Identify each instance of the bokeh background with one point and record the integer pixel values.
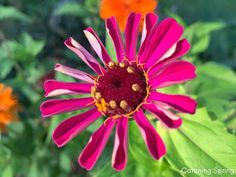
(31, 43)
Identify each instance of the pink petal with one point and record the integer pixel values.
(96, 144)
(169, 119)
(181, 49)
(71, 127)
(174, 73)
(179, 102)
(54, 88)
(119, 156)
(97, 45)
(114, 32)
(165, 36)
(84, 55)
(152, 140)
(131, 35)
(74, 73)
(148, 27)
(58, 106)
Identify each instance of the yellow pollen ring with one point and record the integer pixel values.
(111, 64)
(122, 65)
(130, 69)
(123, 104)
(112, 104)
(135, 87)
(102, 105)
(98, 95)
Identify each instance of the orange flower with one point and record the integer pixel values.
(7, 107)
(122, 8)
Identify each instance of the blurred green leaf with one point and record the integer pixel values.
(32, 46)
(200, 143)
(11, 12)
(8, 172)
(6, 66)
(110, 47)
(198, 34)
(72, 8)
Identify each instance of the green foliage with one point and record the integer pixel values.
(200, 144)
(7, 12)
(73, 9)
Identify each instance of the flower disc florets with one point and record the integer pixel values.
(121, 90)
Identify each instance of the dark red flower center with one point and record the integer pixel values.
(121, 90)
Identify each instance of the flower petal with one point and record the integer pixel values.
(152, 140)
(179, 102)
(96, 144)
(58, 106)
(54, 88)
(74, 73)
(131, 35)
(119, 155)
(182, 47)
(163, 38)
(149, 22)
(84, 55)
(148, 27)
(71, 127)
(169, 119)
(174, 73)
(97, 45)
(114, 32)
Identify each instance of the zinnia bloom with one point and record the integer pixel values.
(122, 8)
(123, 90)
(7, 107)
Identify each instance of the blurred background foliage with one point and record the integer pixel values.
(31, 43)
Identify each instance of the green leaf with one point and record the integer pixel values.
(200, 144)
(6, 66)
(8, 172)
(11, 12)
(198, 34)
(215, 88)
(73, 9)
(33, 47)
(110, 47)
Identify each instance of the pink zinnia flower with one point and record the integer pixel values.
(123, 90)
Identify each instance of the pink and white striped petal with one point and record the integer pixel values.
(174, 73)
(165, 116)
(97, 45)
(182, 47)
(131, 35)
(81, 52)
(151, 138)
(149, 22)
(96, 144)
(115, 34)
(179, 102)
(119, 155)
(165, 36)
(55, 88)
(58, 106)
(71, 127)
(74, 73)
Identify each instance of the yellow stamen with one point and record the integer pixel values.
(130, 69)
(102, 105)
(123, 104)
(135, 87)
(93, 90)
(98, 95)
(112, 104)
(111, 64)
(122, 65)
